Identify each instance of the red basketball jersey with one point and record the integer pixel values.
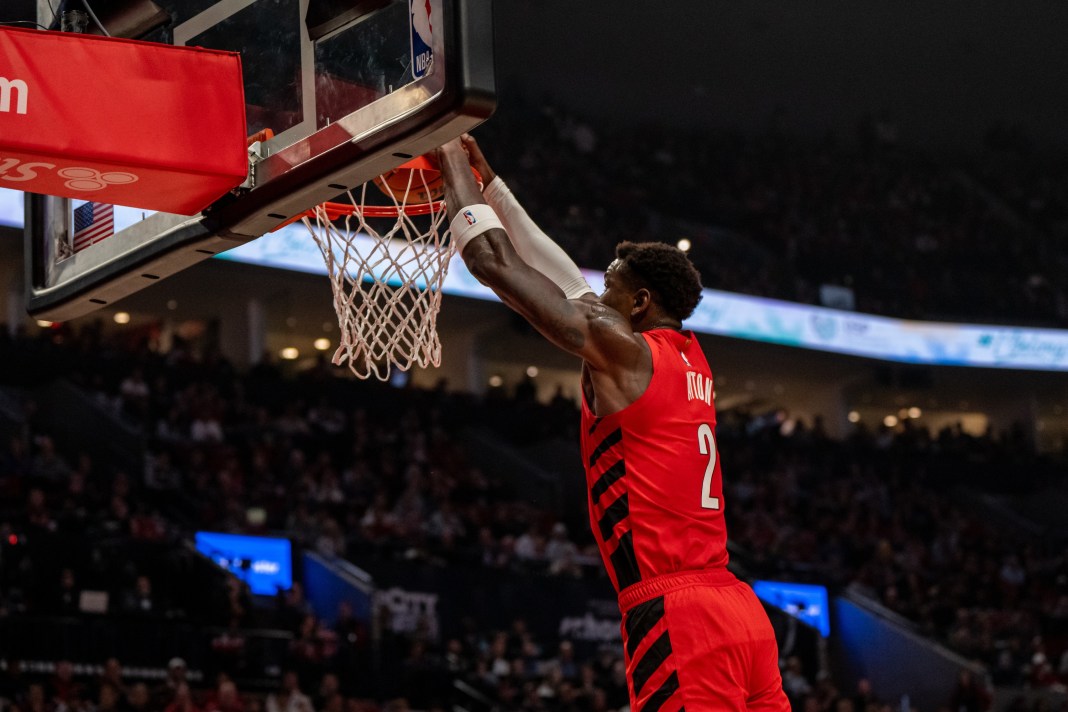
(652, 470)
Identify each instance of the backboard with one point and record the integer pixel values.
(349, 88)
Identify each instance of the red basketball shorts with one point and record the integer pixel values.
(699, 641)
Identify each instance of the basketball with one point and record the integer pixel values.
(412, 185)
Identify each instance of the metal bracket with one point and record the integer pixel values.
(257, 151)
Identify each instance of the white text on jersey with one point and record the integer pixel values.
(699, 387)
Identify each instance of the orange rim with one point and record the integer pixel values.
(336, 210)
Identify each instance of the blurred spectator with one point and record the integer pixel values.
(329, 687)
(562, 553)
(167, 692)
(147, 525)
(112, 677)
(64, 689)
(13, 682)
(66, 598)
(289, 698)
(183, 700)
(108, 699)
(225, 698)
(47, 464)
(292, 610)
(970, 695)
(38, 518)
(36, 700)
(864, 698)
(794, 683)
(137, 699)
(140, 601)
(564, 662)
(135, 394)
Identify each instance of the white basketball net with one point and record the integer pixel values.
(387, 285)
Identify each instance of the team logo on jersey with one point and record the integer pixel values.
(685, 360)
(421, 14)
(469, 217)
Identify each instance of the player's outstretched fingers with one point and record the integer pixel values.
(438, 155)
(478, 160)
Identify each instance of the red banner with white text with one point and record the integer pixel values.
(118, 121)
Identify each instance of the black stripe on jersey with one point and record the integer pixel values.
(654, 657)
(594, 424)
(609, 440)
(640, 620)
(663, 694)
(624, 562)
(613, 515)
(609, 478)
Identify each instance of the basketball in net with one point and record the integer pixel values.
(417, 181)
(387, 264)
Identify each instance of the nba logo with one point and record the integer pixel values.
(469, 217)
(421, 16)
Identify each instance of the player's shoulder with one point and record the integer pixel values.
(607, 324)
(615, 347)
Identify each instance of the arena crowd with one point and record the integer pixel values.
(912, 233)
(368, 472)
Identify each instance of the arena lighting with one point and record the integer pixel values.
(532, 371)
(44, 324)
(321, 344)
(761, 319)
(496, 381)
(915, 412)
(122, 317)
(853, 417)
(720, 313)
(684, 244)
(172, 304)
(289, 353)
(890, 421)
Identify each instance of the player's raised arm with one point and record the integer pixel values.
(584, 327)
(535, 247)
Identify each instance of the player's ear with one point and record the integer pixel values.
(643, 299)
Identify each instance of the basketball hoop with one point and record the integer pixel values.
(386, 276)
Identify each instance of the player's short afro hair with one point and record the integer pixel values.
(667, 272)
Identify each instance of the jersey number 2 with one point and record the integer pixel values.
(706, 440)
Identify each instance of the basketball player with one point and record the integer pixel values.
(695, 637)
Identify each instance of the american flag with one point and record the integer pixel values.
(92, 223)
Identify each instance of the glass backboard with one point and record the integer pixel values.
(349, 89)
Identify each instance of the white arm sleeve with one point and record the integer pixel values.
(535, 247)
